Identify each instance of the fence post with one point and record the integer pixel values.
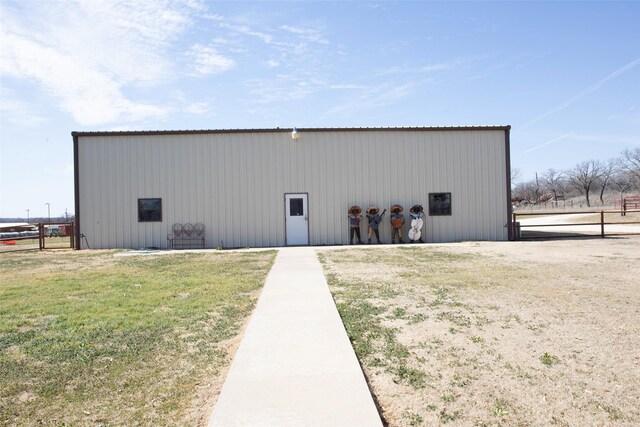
(41, 235)
(602, 224)
(515, 229)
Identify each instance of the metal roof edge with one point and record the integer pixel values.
(275, 130)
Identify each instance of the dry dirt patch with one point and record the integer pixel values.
(496, 333)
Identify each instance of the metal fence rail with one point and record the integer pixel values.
(15, 244)
(627, 204)
(43, 238)
(600, 231)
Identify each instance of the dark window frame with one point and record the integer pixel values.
(440, 207)
(150, 213)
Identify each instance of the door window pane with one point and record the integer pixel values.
(296, 207)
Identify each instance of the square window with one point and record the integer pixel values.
(149, 210)
(439, 204)
(296, 207)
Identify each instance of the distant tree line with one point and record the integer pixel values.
(590, 179)
(65, 217)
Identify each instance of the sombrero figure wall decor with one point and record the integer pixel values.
(396, 209)
(354, 214)
(397, 221)
(374, 221)
(417, 221)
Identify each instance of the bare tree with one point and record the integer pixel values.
(515, 176)
(621, 181)
(553, 181)
(631, 161)
(525, 191)
(538, 193)
(607, 170)
(583, 176)
(67, 216)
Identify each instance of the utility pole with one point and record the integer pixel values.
(49, 210)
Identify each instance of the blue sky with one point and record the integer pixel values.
(564, 75)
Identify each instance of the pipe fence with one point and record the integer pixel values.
(43, 235)
(589, 223)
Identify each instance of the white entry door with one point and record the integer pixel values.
(296, 219)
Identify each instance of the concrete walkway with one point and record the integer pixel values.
(295, 365)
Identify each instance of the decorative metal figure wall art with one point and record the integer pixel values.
(354, 215)
(417, 221)
(397, 221)
(375, 218)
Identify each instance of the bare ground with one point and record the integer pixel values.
(496, 333)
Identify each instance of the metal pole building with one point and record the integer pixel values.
(261, 187)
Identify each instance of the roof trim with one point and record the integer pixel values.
(276, 130)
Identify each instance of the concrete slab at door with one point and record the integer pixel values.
(296, 218)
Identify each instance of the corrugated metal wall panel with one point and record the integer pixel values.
(234, 183)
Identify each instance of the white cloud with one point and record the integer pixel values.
(374, 97)
(207, 60)
(91, 97)
(310, 34)
(286, 39)
(443, 66)
(220, 40)
(605, 139)
(554, 140)
(594, 87)
(85, 53)
(18, 111)
(198, 108)
(272, 63)
(346, 87)
(244, 29)
(65, 170)
(284, 88)
(213, 17)
(620, 139)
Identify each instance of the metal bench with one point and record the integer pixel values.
(186, 236)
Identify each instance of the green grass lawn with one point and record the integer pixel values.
(89, 338)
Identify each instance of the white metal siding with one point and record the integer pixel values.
(234, 183)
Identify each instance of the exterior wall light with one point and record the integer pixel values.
(295, 134)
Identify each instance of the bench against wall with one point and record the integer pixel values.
(186, 236)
